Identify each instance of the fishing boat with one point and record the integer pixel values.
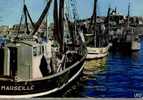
(125, 37)
(96, 39)
(31, 67)
(96, 53)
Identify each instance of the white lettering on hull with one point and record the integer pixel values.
(17, 88)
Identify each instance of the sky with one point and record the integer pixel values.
(11, 10)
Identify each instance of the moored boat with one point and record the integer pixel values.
(124, 35)
(29, 69)
(96, 53)
(97, 40)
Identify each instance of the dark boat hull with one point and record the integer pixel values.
(45, 86)
(122, 46)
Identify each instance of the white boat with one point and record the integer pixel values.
(96, 41)
(96, 53)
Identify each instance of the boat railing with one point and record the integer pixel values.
(7, 78)
(63, 60)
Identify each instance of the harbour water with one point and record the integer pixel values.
(118, 75)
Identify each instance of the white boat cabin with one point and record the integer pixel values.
(22, 60)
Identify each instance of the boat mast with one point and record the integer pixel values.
(61, 24)
(56, 32)
(93, 27)
(107, 21)
(58, 13)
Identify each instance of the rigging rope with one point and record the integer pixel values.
(25, 15)
(45, 11)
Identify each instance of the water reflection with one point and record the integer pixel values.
(95, 66)
(89, 83)
(120, 75)
(135, 56)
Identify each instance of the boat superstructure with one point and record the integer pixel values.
(122, 34)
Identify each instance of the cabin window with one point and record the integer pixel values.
(42, 49)
(38, 51)
(34, 51)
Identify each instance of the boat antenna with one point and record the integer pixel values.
(129, 6)
(128, 13)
